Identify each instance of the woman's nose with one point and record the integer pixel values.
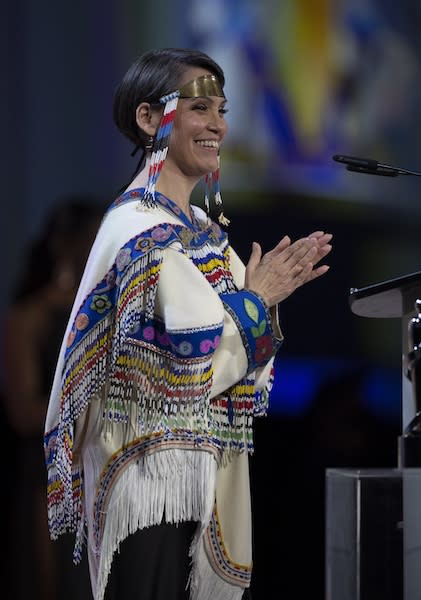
(217, 122)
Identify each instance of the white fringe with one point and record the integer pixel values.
(205, 584)
(180, 483)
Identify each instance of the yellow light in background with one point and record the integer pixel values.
(303, 42)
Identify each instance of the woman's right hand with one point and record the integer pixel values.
(278, 273)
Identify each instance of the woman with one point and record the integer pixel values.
(167, 358)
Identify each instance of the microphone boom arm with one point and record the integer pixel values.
(372, 167)
(378, 171)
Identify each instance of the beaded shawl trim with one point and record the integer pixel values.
(118, 344)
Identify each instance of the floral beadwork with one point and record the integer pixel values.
(82, 321)
(143, 244)
(149, 333)
(102, 300)
(253, 321)
(186, 343)
(100, 303)
(207, 345)
(185, 348)
(123, 258)
(264, 348)
(161, 234)
(253, 312)
(251, 309)
(70, 338)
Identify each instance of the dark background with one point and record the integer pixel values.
(337, 396)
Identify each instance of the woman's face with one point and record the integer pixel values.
(198, 131)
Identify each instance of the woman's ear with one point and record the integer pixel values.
(147, 119)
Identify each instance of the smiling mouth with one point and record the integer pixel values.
(208, 144)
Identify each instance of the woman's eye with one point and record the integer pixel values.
(204, 108)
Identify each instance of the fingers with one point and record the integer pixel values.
(318, 272)
(276, 274)
(324, 247)
(256, 254)
(300, 252)
(303, 275)
(293, 254)
(279, 248)
(317, 234)
(305, 253)
(253, 263)
(323, 252)
(302, 269)
(320, 234)
(319, 238)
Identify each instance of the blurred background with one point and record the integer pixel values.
(305, 80)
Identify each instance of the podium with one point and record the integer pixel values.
(400, 298)
(364, 537)
(373, 518)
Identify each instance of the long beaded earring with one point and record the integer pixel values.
(213, 186)
(159, 149)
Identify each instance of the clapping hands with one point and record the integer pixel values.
(278, 273)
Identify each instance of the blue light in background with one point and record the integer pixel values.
(382, 391)
(298, 381)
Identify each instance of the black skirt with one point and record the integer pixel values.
(153, 564)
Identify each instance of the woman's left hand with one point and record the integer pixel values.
(323, 249)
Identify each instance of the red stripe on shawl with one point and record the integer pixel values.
(82, 374)
(135, 291)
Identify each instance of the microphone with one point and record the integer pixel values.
(355, 161)
(371, 167)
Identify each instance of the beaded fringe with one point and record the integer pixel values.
(232, 417)
(154, 379)
(167, 393)
(213, 267)
(84, 376)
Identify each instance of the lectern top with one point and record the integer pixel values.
(387, 299)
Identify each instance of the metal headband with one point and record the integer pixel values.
(205, 85)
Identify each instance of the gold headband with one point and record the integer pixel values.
(205, 85)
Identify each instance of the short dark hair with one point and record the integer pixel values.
(151, 76)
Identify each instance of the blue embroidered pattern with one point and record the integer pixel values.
(103, 299)
(253, 321)
(184, 343)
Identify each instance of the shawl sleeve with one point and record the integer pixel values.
(246, 338)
